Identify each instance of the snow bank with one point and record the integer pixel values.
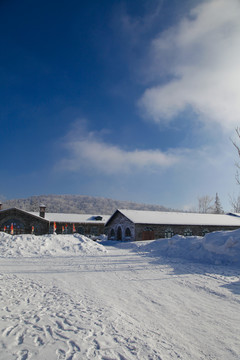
(47, 245)
(220, 247)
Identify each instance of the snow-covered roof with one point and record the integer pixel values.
(74, 218)
(179, 218)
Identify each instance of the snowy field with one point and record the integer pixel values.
(68, 297)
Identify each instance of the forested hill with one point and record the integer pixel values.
(78, 204)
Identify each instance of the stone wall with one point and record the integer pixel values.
(22, 222)
(25, 223)
(93, 229)
(118, 226)
(166, 230)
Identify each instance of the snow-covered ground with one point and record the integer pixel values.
(68, 297)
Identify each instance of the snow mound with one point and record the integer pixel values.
(48, 245)
(220, 247)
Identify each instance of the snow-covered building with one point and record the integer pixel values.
(122, 225)
(17, 221)
(149, 225)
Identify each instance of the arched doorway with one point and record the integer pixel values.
(119, 233)
(128, 234)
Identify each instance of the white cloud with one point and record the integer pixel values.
(201, 55)
(87, 150)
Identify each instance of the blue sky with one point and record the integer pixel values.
(131, 100)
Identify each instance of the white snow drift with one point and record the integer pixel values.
(47, 245)
(221, 247)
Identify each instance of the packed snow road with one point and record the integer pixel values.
(122, 303)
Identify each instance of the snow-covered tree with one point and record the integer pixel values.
(217, 206)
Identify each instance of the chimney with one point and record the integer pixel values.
(42, 209)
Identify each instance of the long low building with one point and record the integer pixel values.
(17, 221)
(127, 225)
(148, 225)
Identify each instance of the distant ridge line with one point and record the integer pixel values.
(78, 204)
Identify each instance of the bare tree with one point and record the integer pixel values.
(205, 204)
(237, 130)
(235, 203)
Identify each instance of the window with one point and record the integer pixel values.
(147, 228)
(205, 231)
(169, 233)
(188, 232)
(98, 218)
